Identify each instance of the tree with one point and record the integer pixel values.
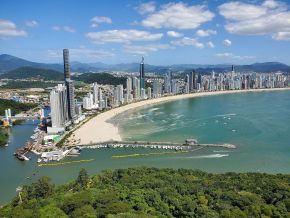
(51, 211)
(43, 188)
(83, 178)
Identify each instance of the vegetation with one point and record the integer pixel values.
(15, 107)
(32, 72)
(3, 138)
(101, 78)
(150, 192)
(28, 84)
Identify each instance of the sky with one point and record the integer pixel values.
(164, 32)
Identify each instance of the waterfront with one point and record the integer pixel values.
(261, 121)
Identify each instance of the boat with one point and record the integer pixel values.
(39, 160)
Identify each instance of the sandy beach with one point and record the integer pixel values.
(98, 129)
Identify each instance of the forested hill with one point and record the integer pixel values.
(101, 78)
(150, 192)
(31, 72)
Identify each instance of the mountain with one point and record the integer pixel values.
(8, 63)
(32, 72)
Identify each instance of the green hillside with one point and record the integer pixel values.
(150, 192)
(15, 107)
(101, 78)
(31, 72)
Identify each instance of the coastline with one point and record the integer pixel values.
(98, 129)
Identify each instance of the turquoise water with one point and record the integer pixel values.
(258, 123)
(262, 133)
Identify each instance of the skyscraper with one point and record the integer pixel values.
(95, 93)
(66, 65)
(142, 74)
(69, 85)
(59, 108)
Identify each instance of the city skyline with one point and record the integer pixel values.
(200, 32)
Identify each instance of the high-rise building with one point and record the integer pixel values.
(136, 88)
(71, 98)
(142, 74)
(149, 95)
(66, 65)
(95, 94)
(69, 85)
(58, 105)
(157, 89)
(168, 83)
(129, 85)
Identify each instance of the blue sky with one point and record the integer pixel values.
(165, 32)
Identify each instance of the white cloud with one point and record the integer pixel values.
(179, 16)
(31, 23)
(204, 33)
(269, 18)
(122, 36)
(188, 41)
(82, 53)
(69, 29)
(210, 44)
(146, 8)
(145, 49)
(56, 28)
(98, 20)
(64, 28)
(240, 11)
(232, 56)
(282, 36)
(227, 42)
(174, 34)
(8, 28)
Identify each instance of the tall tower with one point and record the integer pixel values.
(69, 85)
(142, 74)
(66, 65)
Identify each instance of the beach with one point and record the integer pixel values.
(99, 129)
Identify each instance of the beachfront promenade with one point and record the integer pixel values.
(100, 130)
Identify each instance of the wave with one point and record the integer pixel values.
(209, 156)
(221, 151)
(225, 115)
(154, 109)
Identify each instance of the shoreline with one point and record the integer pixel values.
(99, 129)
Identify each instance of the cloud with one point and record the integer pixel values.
(122, 36)
(8, 28)
(146, 8)
(98, 20)
(188, 41)
(31, 23)
(282, 36)
(232, 56)
(82, 53)
(227, 42)
(210, 44)
(179, 16)
(174, 34)
(269, 18)
(204, 33)
(145, 49)
(64, 28)
(69, 29)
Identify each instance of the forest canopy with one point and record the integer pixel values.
(150, 192)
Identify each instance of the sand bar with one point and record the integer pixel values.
(98, 129)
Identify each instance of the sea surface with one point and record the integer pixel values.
(257, 123)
